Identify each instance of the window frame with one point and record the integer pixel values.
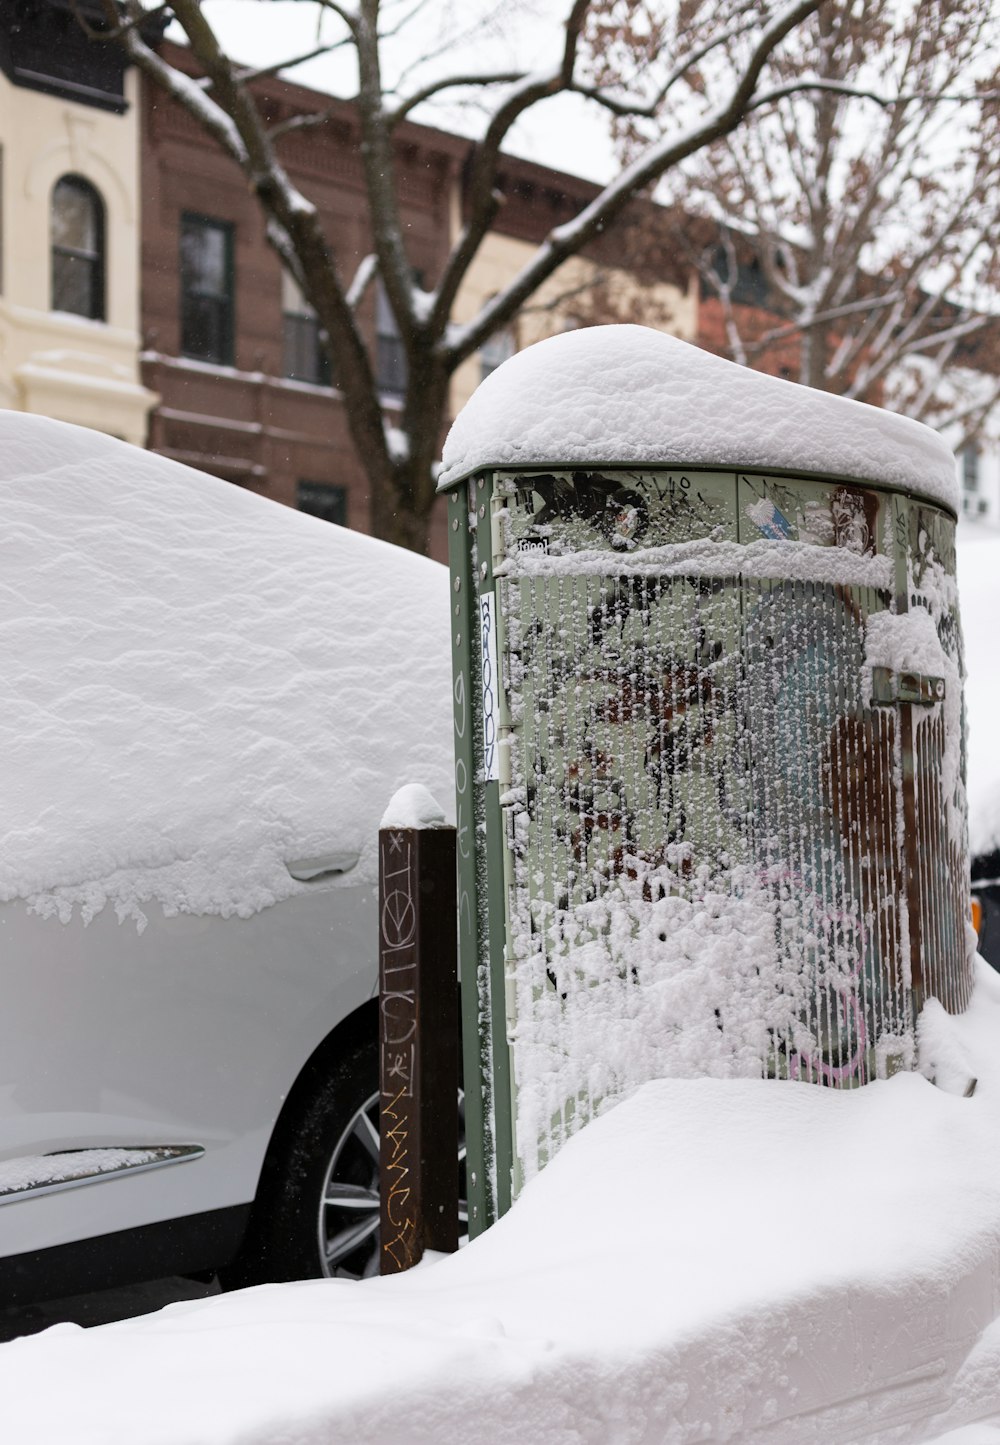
(302, 337)
(226, 301)
(971, 457)
(95, 260)
(498, 347)
(336, 490)
(391, 363)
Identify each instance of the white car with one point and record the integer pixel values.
(209, 699)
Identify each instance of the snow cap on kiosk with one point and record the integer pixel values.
(606, 395)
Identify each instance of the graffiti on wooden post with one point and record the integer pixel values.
(400, 1133)
(418, 1044)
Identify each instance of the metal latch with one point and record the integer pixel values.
(890, 687)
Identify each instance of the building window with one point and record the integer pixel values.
(306, 356)
(499, 348)
(391, 357)
(324, 500)
(970, 468)
(207, 289)
(77, 248)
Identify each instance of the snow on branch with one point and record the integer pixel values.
(245, 77)
(363, 277)
(182, 87)
(450, 82)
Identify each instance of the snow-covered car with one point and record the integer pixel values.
(209, 700)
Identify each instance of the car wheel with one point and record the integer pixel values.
(347, 1225)
(317, 1212)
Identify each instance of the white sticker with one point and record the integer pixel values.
(490, 682)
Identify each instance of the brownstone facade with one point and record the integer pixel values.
(241, 389)
(237, 413)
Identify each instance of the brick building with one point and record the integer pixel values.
(230, 347)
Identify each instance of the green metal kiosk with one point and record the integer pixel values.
(708, 724)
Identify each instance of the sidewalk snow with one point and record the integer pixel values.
(709, 1261)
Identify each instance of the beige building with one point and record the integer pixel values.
(69, 228)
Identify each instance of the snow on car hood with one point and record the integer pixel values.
(629, 394)
(201, 685)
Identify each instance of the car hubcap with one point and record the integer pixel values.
(349, 1203)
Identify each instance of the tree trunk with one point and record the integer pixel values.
(402, 505)
(397, 516)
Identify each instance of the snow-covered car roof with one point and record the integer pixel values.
(201, 685)
(631, 395)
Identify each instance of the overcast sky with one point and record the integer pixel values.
(455, 34)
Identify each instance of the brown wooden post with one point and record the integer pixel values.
(418, 1044)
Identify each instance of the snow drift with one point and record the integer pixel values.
(743, 1260)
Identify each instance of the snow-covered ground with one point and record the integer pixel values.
(710, 1261)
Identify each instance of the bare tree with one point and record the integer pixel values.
(702, 63)
(855, 221)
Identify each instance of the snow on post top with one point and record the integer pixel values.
(413, 806)
(631, 395)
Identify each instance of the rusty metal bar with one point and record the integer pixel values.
(418, 1045)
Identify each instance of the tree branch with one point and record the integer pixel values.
(248, 76)
(451, 82)
(857, 92)
(191, 96)
(605, 208)
(363, 277)
(483, 198)
(299, 122)
(647, 109)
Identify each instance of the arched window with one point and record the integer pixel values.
(77, 248)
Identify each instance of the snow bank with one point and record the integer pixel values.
(201, 685)
(979, 595)
(730, 1261)
(629, 394)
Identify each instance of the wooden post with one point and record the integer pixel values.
(418, 1044)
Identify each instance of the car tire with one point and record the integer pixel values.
(317, 1209)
